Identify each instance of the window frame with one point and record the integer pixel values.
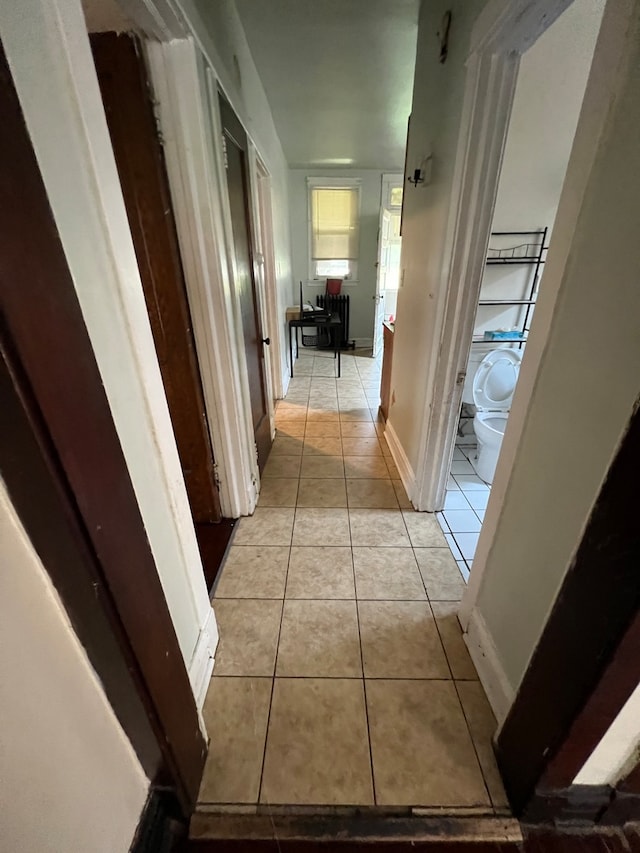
(331, 183)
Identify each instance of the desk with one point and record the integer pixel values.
(333, 324)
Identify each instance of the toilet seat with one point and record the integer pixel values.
(495, 380)
(490, 426)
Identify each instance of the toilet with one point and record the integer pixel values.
(493, 386)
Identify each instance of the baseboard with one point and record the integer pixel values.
(203, 658)
(362, 342)
(402, 462)
(286, 379)
(487, 663)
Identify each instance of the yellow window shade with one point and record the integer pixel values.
(334, 226)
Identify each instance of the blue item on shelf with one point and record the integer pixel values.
(504, 335)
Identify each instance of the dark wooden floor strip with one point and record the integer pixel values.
(213, 541)
(314, 834)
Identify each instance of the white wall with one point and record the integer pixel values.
(48, 51)
(551, 82)
(362, 305)
(618, 751)
(435, 119)
(218, 30)
(70, 779)
(549, 92)
(583, 357)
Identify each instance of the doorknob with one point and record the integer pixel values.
(266, 341)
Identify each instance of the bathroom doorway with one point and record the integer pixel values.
(388, 261)
(536, 155)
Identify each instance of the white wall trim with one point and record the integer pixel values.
(214, 127)
(485, 658)
(489, 92)
(504, 26)
(274, 309)
(258, 237)
(175, 19)
(197, 193)
(402, 462)
(157, 19)
(203, 659)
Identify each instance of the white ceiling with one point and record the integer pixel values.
(338, 75)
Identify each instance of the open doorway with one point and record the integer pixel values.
(236, 157)
(388, 263)
(537, 150)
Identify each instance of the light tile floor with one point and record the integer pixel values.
(341, 678)
(464, 507)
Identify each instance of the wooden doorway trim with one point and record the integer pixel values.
(37, 487)
(195, 168)
(139, 156)
(51, 358)
(139, 159)
(586, 664)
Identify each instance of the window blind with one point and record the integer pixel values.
(334, 223)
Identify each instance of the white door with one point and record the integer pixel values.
(381, 281)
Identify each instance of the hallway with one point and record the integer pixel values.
(341, 677)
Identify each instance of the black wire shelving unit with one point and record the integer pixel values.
(532, 253)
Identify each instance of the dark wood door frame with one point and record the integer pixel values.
(587, 662)
(49, 362)
(139, 156)
(32, 475)
(623, 807)
(145, 187)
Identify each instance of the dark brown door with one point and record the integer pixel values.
(140, 162)
(235, 140)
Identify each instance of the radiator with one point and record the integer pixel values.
(337, 305)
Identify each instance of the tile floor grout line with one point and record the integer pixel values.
(373, 419)
(460, 703)
(424, 584)
(364, 681)
(354, 677)
(275, 666)
(338, 598)
(473, 743)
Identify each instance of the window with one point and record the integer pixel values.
(334, 228)
(395, 197)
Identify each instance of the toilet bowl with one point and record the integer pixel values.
(493, 387)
